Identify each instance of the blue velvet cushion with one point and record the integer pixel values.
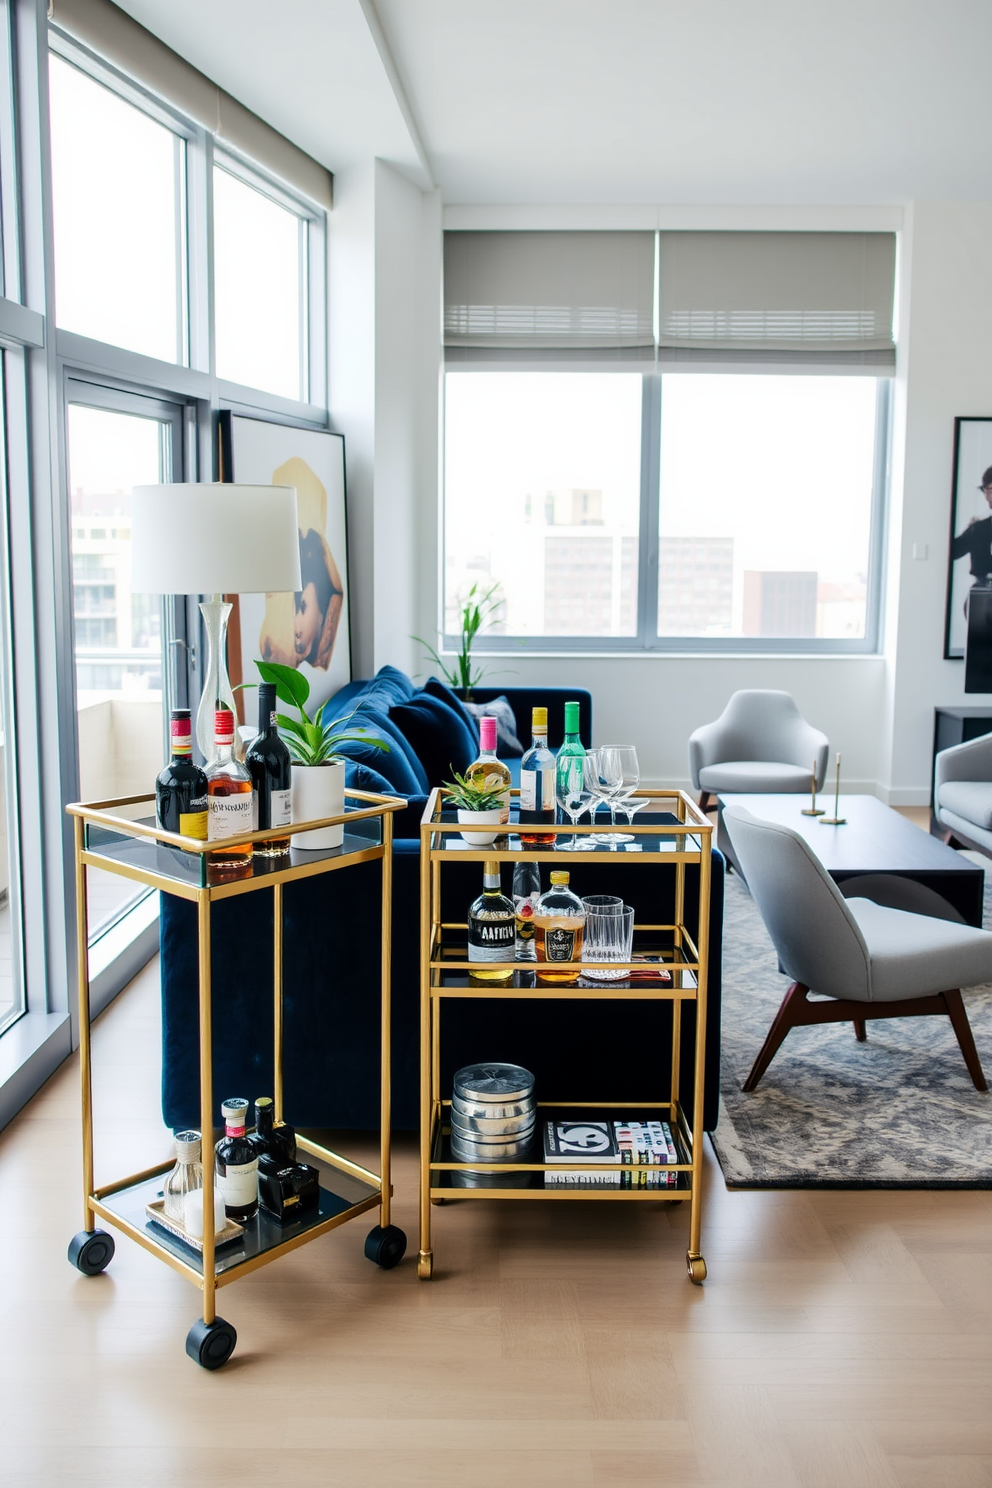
(398, 766)
(388, 686)
(434, 687)
(406, 823)
(441, 740)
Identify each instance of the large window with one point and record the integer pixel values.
(118, 192)
(667, 511)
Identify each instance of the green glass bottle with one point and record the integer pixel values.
(572, 750)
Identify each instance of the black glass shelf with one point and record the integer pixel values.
(684, 841)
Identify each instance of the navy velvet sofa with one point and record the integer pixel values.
(595, 1050)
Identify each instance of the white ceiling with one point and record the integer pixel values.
(617, 101)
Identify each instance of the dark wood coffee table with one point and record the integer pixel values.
(878, 855)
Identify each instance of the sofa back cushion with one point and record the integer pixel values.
(399, 766)
(406, 823)
(439, 737)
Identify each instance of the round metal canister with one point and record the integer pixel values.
(493, 1110)
(492, 1083)
(502, 1150)
(488, 1139)
(493, 1126)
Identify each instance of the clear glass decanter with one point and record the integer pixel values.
(186, 1176)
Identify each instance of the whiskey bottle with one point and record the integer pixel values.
(181, 788)
(229, 797)
(268, 764)
(236, 1164)
(491, 928)
(267, 1138)
(537, 786)
(488, 772)
(560, 924)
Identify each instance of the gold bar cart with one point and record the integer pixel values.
(120, 836)
(681, 835)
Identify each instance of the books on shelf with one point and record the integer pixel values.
(647, 1146)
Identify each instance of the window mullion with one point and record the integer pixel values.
(199, 167)
(647, 545)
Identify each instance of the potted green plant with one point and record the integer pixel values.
(318, 771)
(477, 806)
(477, 611)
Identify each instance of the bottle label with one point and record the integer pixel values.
(280, 808)
(559, 944)
(194, 823)
(537, 793)
(229, 816)
(525, 927)
(490, 940)
(239, 1184)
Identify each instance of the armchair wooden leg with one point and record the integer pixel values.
(704, 801)
(959, 1022)
(788, 1015)
(860, 1031)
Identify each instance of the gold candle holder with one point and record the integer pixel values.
(812, 809)
(836, 820)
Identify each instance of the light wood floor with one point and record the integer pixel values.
(842, 1340)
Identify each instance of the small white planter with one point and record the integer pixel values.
(318, 791)
(480, 819)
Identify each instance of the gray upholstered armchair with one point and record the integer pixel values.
(962, 793)
(867, 960)
(761, 742)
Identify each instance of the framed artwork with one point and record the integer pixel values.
(309, 630)
(970, 559)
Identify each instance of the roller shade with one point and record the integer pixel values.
(122, 41)
(816, 294)
(587, 295)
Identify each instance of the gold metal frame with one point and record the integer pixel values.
(102, 814)
(685, 843)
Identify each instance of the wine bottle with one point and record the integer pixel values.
(491, 928)
(236, 1164)
(268, 763)
(488, 772)
(572, 749)
(537, 786)
(181, 788)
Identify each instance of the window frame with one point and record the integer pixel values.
(647, 641)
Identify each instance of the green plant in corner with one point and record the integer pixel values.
(470, 797)
(311, 741)
(478, 609)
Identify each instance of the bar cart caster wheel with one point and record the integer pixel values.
(91, 1253)
(425, 1265)
(385, 1247)
(211, 1344)
(696, 1267)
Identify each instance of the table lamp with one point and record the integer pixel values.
(214, 539)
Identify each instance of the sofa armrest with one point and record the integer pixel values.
(969, 761)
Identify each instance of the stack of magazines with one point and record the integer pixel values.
(646, 1149)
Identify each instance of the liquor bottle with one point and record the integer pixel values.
(236, 1164)
(185, 1178)
(268, 763)
(229, 796)
(181, 789)
(491, 928)
(537, 786)
(526, 893)
(275, 1141)
(572, 749)
(560, 925)
(487, 771)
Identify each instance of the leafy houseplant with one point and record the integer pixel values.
(477, 611)
(318, 770)
(477, 805)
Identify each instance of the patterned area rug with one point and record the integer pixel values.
(898, 1111)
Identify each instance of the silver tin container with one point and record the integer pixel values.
(504, 1150)
(488, 1139)
(486, 1111)
(493, 1083)
(493, 1126)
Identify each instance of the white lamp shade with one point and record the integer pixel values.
(200, 538)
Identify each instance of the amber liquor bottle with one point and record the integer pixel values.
(229, 797)
(491, 929)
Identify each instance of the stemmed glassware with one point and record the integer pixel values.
(605, 782)
(622, 761)
(574, 796)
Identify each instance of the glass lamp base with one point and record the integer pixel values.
(216, 690)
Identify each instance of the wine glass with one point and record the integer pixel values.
(573, 797)
(596, 789)
(608, 787)
(623, 761)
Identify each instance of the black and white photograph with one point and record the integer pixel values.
(970, 561)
